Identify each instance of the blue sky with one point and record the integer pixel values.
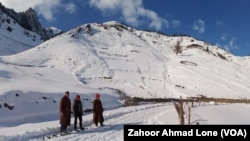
(219, 22)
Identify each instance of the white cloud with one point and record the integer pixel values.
(105, 4)
(223, 36)
(20, 5)
(220, 23)
(132, 11)
(46, 8)
(176, 23)
(70, 7)
(199, 26)
(230, 45)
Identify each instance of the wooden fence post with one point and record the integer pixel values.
(189, 115)
(179, 109)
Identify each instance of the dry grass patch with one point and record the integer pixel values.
(194, 46)
(188, 63)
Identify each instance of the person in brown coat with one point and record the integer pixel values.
(98, 111)
(65, 112)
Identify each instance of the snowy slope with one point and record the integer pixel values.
(140, 63)
(14, 38)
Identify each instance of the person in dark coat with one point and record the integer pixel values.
(78, 112)
(98, 111)
(65, 112)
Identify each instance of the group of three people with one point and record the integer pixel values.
(77, 110)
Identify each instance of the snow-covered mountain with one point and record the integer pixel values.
(140, 63)
(114, 60)
(21, 31)
(14, 38)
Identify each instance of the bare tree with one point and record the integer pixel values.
(177, 48)
(88, 27)
(207, 48)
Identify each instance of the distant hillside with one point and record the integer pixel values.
(21, 31)
(27, 20)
